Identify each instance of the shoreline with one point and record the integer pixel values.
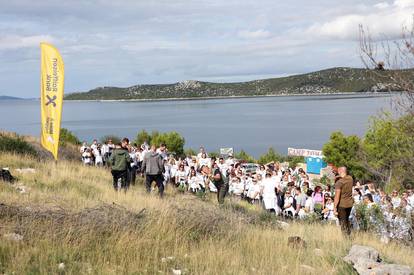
(228, 97)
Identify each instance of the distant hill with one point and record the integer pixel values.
(5, 97)
(335, 80)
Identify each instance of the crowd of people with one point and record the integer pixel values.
(279, 189)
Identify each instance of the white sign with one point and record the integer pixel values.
(226, 151)
(304, 152)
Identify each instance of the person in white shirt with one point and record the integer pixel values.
(309, 204)
(253, 192)
(98, 157)
(83, 148)
(105, 152)
(230, 160)
(94, 145)
(193, 164)
(204, 160)
(269, 194)
(395, 199)
(202, 151)
(87, 157)
(162, 151)
(410, 198)
(222, 165)
(181, 176)
(288, 207)
(193, 181)
(328, 211)
(237, 187)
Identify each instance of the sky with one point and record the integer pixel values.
(125, 43)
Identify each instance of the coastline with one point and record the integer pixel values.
(230, 97)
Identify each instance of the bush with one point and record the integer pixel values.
(344, 150)
(190, 152)
(67, 136)
(369, 219)
(16, 144)
(214, 155)
(242, 155)
(270, 156)
(115, 139)
(174, 141)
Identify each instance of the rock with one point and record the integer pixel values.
(26, 170)
(61, 266)
(176, 271)
(13, 237)
(366, 261)
(21, 189)
(359, 252)
(296, 242)
(283, 225)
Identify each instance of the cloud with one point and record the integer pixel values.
(258, 34)
(384, 21)
(12, 42)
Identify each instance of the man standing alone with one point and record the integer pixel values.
(343, 199)
(153, 167)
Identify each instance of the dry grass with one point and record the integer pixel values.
(71, 215)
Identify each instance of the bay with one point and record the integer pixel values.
(251, 124)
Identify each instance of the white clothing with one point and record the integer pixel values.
(396, 201)
(269, 194)
(87, 158)
(288, 207)
(254, 189)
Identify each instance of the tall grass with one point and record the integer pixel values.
(58, 224)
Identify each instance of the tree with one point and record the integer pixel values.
(344, 151)
(242, 155)
(115, 139)
(270, 156)
(173, 140)
(397, 57)
(388, 146)
(142, 137)
(388, 150)
(190, 152)
(67, 136)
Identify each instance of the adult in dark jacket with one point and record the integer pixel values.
(120, 161)
(153, 167)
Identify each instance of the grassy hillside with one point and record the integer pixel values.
(68, 214)
(336, 80)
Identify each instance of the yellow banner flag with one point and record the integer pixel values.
(51, 98)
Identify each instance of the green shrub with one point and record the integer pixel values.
(16, 144)
(242, 155)
(115, 139)
(190, 152)
(67, 137)
(270, 156)
(369, 218)
(174, 141)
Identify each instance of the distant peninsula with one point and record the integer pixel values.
(330, 81)
(5, 97)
